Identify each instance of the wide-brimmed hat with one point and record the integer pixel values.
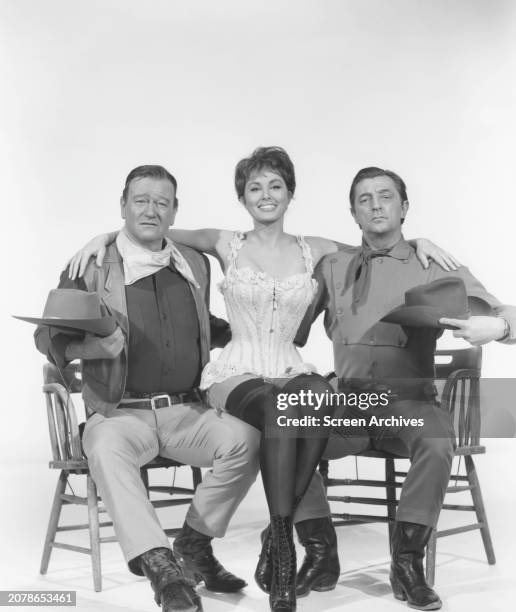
(426, 304)
(75, 309)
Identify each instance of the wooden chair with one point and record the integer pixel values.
(68, 457)
(459, 371)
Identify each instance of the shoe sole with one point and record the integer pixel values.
(319, 588)
(436, 605)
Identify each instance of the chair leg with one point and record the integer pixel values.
(391, 495)
(430, 558)
(478, 502)
(93, 521)
(324, 470)
(53, 521)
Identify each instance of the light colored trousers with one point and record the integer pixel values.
(117, 446)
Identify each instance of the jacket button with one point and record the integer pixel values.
(405, 261)
(339, 311)
(380, 260)
(333, 260)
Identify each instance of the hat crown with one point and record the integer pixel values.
(72, 304)
(448, 294)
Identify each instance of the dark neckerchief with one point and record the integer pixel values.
(359, 269)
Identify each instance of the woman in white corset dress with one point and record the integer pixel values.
(267, 288)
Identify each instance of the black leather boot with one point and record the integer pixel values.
(195, 556)
(263, 572)
(407, 576)
(320, 570)
(172, 591)
(282, 597)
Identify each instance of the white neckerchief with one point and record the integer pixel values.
(140, 262)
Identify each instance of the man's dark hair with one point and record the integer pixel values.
(373, 172)
(155, 172)
(274, 159)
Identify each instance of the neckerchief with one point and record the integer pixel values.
(359, 274)
(140, 262)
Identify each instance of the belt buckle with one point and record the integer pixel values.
(158, 397)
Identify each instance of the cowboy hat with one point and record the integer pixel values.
(426, 304)
(75, 309)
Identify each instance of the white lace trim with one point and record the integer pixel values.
(216, 372)
(247, 275)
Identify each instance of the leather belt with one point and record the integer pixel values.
(158, 400)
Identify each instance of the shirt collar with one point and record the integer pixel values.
(401, 250)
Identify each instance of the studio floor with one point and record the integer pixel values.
(464, 580)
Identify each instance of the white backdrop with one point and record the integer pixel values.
(92, 89)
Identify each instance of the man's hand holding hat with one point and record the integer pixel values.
(96, 347)
(477, 330)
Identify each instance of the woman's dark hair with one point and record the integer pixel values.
(275, 159)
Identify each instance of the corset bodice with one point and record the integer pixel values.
(264, 314)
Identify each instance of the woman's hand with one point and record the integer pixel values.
(96, 247)
(426, 250)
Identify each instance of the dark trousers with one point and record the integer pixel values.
(429, 447)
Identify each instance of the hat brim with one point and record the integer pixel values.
(101, 327)
(421, 316)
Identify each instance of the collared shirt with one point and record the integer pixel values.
(164, 353)
(367, 348)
